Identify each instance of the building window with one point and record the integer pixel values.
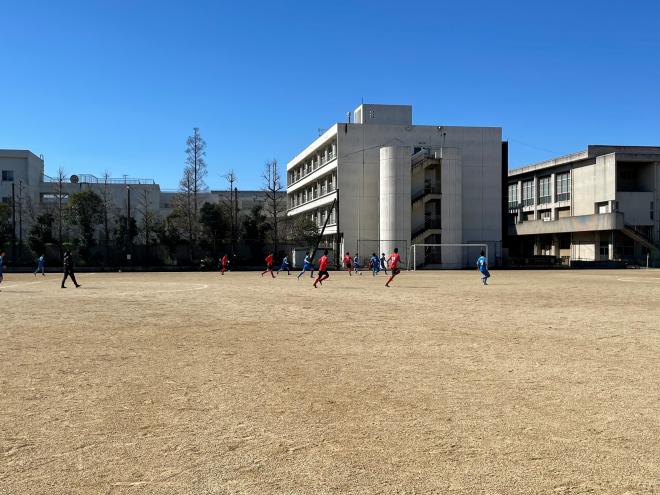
(513, 196)
(544, 190)
(528, 193)
(6, 200)
(602, 207)
(604, 251)
(8, 175)
(545, 215)
(563, 186)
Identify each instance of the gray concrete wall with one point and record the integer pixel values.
(480, 162)
(594, 184)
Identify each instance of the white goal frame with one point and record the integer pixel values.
(412, 259)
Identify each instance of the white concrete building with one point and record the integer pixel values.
(600, 204)
(399, 184)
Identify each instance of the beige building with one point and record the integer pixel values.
(600, 204)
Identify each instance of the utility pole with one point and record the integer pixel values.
(13, 222)
(235, 219)
(128, 224)
(233, 209)
(20, 219)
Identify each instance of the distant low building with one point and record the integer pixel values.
(33, 191)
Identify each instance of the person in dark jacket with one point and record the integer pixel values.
(68, 269)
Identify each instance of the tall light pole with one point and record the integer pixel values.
(128, 223)
(13, 222)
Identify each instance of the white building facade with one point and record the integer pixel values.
(398, 184)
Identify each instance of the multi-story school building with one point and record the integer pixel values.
(600, 204)
(397, 184)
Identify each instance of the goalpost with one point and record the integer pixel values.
(445, 255)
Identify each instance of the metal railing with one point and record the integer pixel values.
(428, 189)
(316, 164)
(429, 224)
(92, 179)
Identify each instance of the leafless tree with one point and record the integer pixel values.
(273, 190)
(61, 197)
(106, 197)
(148, 219)
(232, 208)
(192, 183)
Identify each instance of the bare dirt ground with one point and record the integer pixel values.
(543, 382)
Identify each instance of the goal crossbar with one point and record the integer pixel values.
(412, 251)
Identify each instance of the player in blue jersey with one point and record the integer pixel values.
(356, 264)
(307, 266)
(374, 261)
(383, 263)
(41, 265)
(2, 258)
(285, 266)
(482, 265)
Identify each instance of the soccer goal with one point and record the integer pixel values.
(444, 256)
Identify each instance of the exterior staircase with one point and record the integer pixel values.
(428, 192)
(432, 225)
(636, 236)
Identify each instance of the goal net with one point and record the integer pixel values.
(444, 256)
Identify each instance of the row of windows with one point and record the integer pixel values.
(319, 216)
(323, 186)
(562, 191)
(309, 165)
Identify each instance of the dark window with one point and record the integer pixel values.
(8, 175)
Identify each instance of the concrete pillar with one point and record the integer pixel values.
(553, 196)
(394, 207)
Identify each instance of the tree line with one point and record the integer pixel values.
(197, 231)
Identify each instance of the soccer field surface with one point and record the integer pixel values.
(542, 382)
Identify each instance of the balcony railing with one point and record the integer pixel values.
(91, 179)
(430, 223)
(316, 164)
(428, 189)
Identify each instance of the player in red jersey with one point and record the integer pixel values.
(394, 261)
(323, 268)
(269, 265)
(225, 263)
(348, 263)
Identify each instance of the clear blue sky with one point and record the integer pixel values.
(119, 85)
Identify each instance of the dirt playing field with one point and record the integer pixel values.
(189, 383)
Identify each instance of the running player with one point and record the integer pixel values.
(393, 261)
(285, 266)
(356, 264)
(348, 263)
(323, 269)
(383, 263)
(374, 261)
(41, 262)
(307, 266)
(269, 265)
(224, 262)
(482, 265)
(2, 257)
